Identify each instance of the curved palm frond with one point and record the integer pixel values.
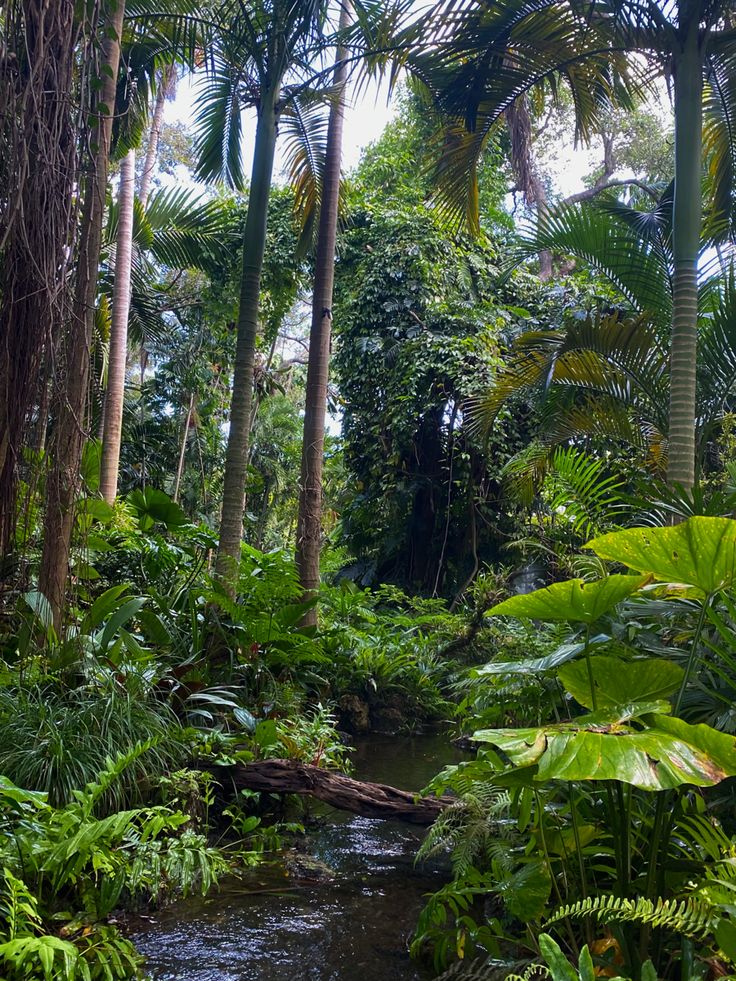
(579, 484)
(187, 232)
(628, 247)
(219, 105)
(303, 131)
(719, 141)
(717, 358)
(476, 60)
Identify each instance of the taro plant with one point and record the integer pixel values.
(607, 788)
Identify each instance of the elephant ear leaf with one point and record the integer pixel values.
(638, 744)
(699, 552)
(616, 681)
(573, 600)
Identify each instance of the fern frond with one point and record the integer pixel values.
(691, 917)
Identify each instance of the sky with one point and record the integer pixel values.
(365, 119)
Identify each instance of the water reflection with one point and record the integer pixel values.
(356, 928)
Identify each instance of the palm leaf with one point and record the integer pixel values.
(303, 131)
(637, 266)
(187, 232)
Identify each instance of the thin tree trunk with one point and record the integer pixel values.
(525, 169)
(254, 247)
(118, 358)
(73, 358)
(686, 229)
(183, 449)
(166, 85)
(309, 525)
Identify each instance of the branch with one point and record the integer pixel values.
(374, 800)
(592, 192)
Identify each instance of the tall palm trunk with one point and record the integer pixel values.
(254, 247)
(118, 358)
(309, 525)
(686, 229)
(73, 356)
(183, 449)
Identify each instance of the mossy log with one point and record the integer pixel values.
(373, 800)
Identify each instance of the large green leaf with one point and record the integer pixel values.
(155, 506)
(617, 681)
(636, 744)
(540, 665)
(700, 552)
(575, 600)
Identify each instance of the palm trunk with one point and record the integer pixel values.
(118, 359)
(183, 449)
(309, 525)
(254, 247)
(686, 229)
(73, 358)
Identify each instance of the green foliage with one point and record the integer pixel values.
(576, 600)
(700, 552)
(69, 863)
(688, 916)
(56, 739)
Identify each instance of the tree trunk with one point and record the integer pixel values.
(183, 449)
(73, 356)
(166, 85)
(254, 247)
(37, 213)
(525, 170)
(686, 229)
(373, 800)
(309, 525)
(118, 357)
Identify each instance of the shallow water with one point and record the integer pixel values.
(356, 927)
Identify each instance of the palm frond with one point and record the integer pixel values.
(219, 105)
(187, 232)
(303, 131)
(613, 241)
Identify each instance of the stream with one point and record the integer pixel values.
(265, 927)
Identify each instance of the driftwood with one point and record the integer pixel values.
(373, 800)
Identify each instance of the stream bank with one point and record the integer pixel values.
(266, 927)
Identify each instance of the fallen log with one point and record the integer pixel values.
(373, 800)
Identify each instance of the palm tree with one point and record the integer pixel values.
(309, 524)
(482, 59)
(265, 57)
(608, 376)
(118, 355)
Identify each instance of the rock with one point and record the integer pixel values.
(306, 868)
(387, 719)
(354, 713)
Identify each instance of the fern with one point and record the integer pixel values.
(490, 969)
(577, 483)
(689, 916)
(471, 828)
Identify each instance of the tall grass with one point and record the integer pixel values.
(55, 739)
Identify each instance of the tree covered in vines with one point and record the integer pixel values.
(422, 317)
